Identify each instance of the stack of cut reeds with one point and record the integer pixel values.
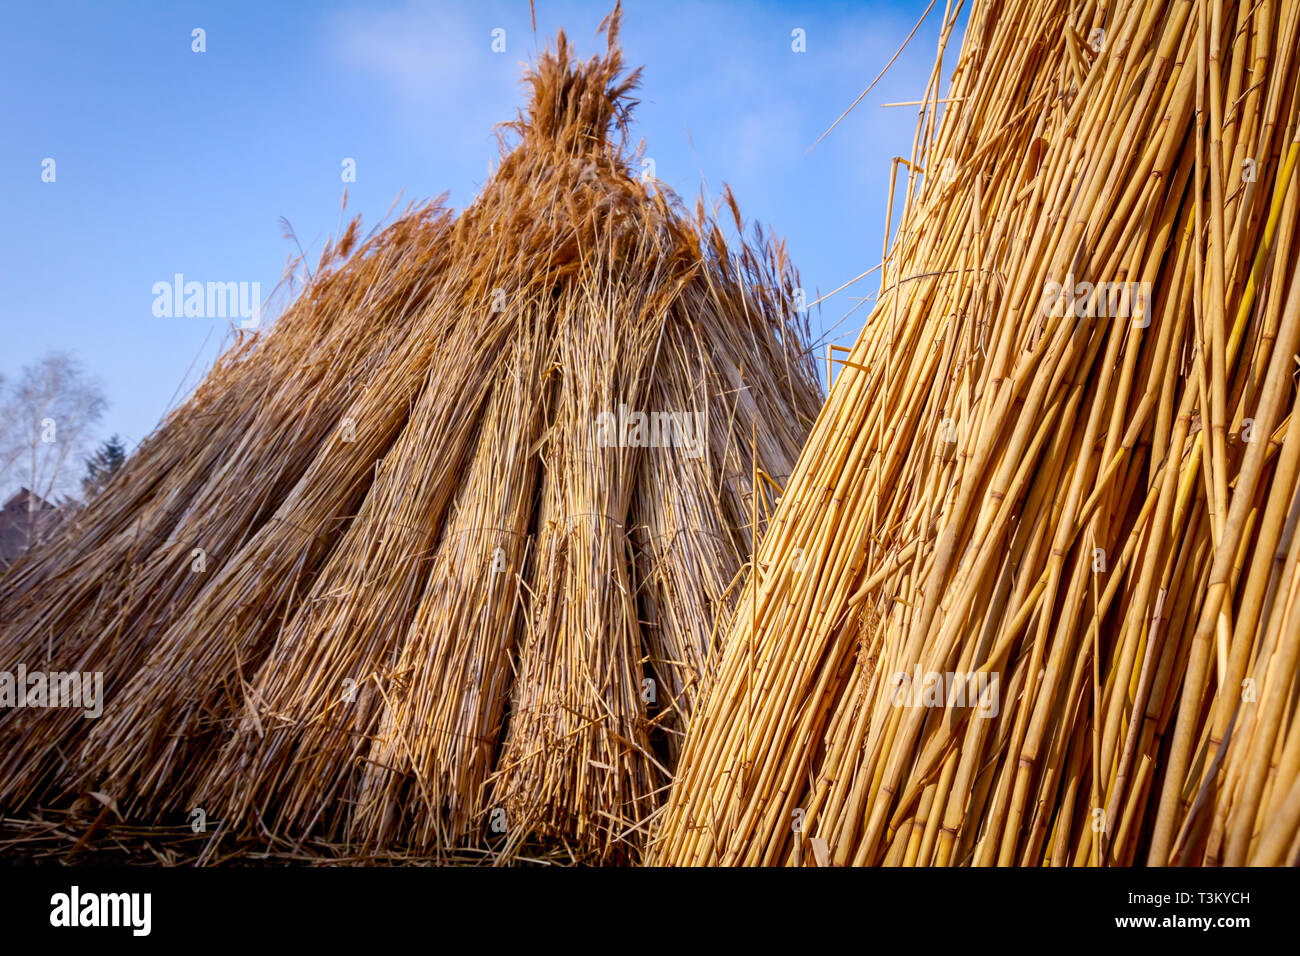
(1032, 595)
(390, 582)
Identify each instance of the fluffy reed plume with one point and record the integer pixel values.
(389, 570)
(1059, 467)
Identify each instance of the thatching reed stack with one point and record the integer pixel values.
(1062, 461)
(439, 606)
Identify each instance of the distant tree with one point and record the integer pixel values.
(46, 420)
(101, 466)
(10, 446)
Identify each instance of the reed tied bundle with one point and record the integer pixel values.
(1030, 596)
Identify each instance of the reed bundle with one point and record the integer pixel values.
(1030, 596)
(438, 607)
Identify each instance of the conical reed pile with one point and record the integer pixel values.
(1029, 596)
(419, 622)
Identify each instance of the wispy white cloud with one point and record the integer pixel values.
(435, 63)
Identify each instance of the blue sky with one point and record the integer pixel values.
(173, 161)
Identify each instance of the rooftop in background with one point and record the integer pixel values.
(21, 519)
